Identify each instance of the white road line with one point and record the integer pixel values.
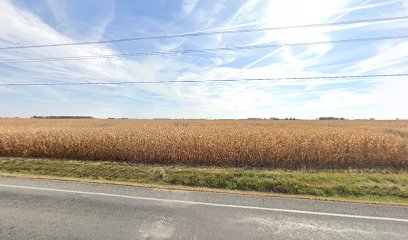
(209, 204)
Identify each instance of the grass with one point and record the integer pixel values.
(241, 143)
(367, 185)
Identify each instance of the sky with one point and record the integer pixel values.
(26, 22)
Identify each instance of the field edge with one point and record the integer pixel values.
(46, 169)
(201, 189)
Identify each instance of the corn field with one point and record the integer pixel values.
(240, 143)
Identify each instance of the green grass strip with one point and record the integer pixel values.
(387, 187)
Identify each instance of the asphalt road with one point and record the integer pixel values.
(45, 209)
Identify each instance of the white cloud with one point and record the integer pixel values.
(24, 28)
(392, 98)
(67, 23)
(298, 98)
(404, 5)
(188, 6)
(58, 10)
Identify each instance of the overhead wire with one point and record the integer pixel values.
(205, 33)
(188, 51)
(207, 80)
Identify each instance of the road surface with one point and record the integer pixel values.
(45, 209)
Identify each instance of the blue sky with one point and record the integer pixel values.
(25, 22)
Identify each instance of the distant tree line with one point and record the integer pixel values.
(272, 118)
(330, 118)
(288, 118)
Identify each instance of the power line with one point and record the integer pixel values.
(205, 33)
(90, 57)
(208, 80)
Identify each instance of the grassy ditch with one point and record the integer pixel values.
(373, 186)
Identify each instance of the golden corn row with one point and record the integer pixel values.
(281, 144)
